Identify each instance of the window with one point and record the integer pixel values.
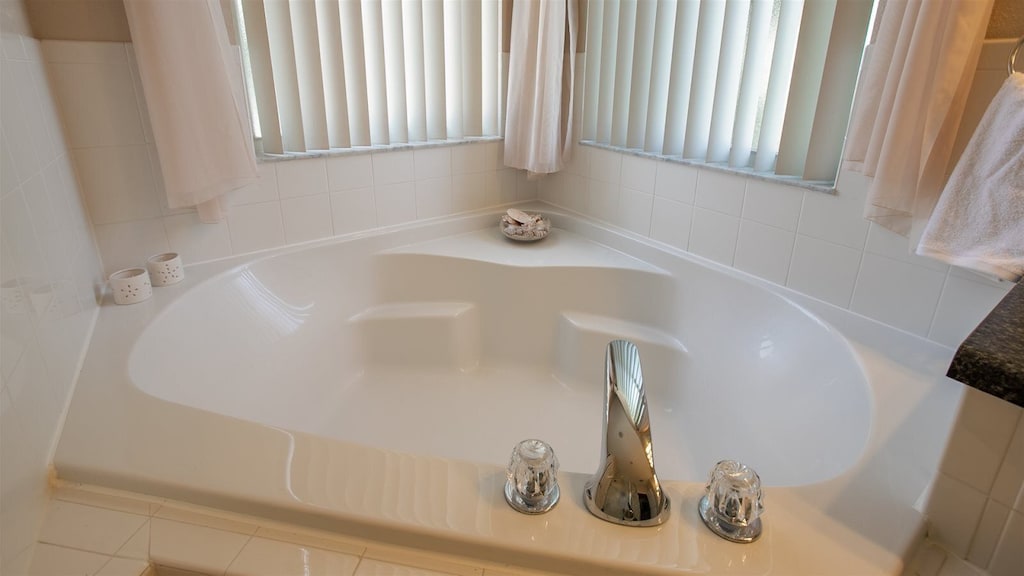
(756, 85)
(342, 73)
(764, 85)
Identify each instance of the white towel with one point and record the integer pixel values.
(978, 222)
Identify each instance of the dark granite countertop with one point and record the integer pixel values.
(991, 359)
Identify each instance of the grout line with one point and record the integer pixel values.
(112, 559)
(929, 333)
(1005, 455)
(239, 553)
(857, 280)
(359, 562)
(147, 523)
(66, 547)
(796, 234)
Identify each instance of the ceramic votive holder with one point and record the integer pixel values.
(130, 285)
(165, 269)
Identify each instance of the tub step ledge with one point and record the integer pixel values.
(420, 334)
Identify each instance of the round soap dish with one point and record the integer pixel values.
(522, 227)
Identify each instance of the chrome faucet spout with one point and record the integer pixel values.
(625, 489)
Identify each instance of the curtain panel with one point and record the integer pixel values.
(191, 78)
(914, 85)
(542, 68)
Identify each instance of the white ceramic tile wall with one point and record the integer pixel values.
(977, 503)
(50, 274)
(298, 200)
(814, 242)
(93, 531)
(933, 559)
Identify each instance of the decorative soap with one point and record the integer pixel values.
(523, 227)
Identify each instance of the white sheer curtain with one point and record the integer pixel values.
(914, 84)
(541, 69)
(191, 79)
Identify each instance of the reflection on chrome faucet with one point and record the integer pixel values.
(625, 490)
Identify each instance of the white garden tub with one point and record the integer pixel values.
(376, 385)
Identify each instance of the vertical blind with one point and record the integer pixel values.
(342, 73)
(755, 84)
(765, 85)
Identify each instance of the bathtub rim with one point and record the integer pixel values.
(717, 323)
(105, 455)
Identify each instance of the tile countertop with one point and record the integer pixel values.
(991, 359)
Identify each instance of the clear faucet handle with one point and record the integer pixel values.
(733, 504)
(532, 486)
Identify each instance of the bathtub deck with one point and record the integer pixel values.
(863, 521)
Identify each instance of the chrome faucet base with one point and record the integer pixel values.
(520, 504)
(732, 532)
(625, 507)
(625, 489)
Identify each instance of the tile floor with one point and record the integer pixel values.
(91, 531)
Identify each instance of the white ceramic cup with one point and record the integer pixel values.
(165, 269)
(130, 285)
